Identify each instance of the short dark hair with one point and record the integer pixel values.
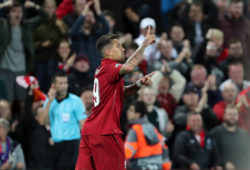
(191, 113)
(109, 13)
(60, 73)
(14, 5)
(87, 88)
(140, 107)
(233, 41)
(105, 40)
(132, 46)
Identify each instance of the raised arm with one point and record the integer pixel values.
(51, 96)
(137, 57)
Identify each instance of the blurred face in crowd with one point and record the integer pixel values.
(5, 110)
(236, 10)
(111, 21)
(61, 85)
(191, 99)
(79, 6)
(131, 114)
(223, 5)
(235, 49)
(116, 52)
(164, 86)
(236, 73)
(89, 20)
(231, 116)
(129, 52)
(198, 76)
(81, 66)
(87, 98)
(196, 13)
(64, 50)
(211, 49)
(144, 31)
(135, 76)
(166, 48)
(177, 34)
(50, 7)
(15, 15)
(218, 41)
(229, 93)
(195, 123)
(148, 96)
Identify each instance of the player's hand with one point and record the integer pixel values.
(150, 38)
(146, 80)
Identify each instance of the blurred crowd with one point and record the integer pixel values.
(199, 101)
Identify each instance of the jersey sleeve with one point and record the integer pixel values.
(80, 111)
(113, 72)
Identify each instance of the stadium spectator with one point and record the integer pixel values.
(232, 141)
(156, 115)
(144, 145)
(17, 53)
(236, 76)
(70, 15)
(40, 143)
(235, 24)
(85, 32)
(87, 98)
(193, 103)
(64, 59)
(220, 51)
(151, 53)
(80, 75)
(235, 53)
(199, 78)
(182, 62)
(169, 85)
(194, 149)
(229, 97)
(11, 153)
(46, 39)
(67, 115)
(197, 18)
(177, 36)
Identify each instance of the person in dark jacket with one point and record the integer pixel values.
(85, 32)
(194, 149)
(80, 75)
(17, 52)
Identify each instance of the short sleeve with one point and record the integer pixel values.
(113, 72)
(80, 111)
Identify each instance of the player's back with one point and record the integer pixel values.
(108, 100)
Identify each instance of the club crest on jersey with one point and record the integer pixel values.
(117, 65)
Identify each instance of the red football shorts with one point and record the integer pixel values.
(98, 152)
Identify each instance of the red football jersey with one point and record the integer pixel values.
(108, 95)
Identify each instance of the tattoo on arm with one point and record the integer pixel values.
(133, 61)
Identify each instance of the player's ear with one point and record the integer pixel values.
(107, 52)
